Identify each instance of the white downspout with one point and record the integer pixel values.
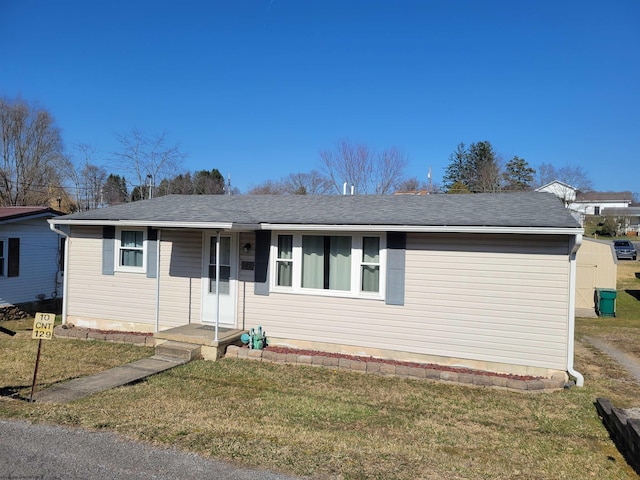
(66, 269)
(572, 311)
(158, 280)
(217, 285)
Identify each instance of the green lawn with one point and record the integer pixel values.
(335, 424)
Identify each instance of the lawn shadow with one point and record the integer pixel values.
(634, 293)
(638, 275)
(13, 392)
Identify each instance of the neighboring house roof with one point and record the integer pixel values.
(402, 212)
(622, 211)
(546, 187)
(604, 197)
(14, 213)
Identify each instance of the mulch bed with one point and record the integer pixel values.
(111, 332)
(431, 366)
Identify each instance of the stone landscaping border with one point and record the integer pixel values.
(135, 338)
(398, 369)
(624, 428)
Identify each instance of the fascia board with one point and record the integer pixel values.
(145, 223)
(23, 218)
(424, 229)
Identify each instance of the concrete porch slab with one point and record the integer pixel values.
(204, 335)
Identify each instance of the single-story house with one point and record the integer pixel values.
(30, 256)
(484, 281)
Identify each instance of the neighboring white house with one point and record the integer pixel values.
(593, 203)
(30, 252)
(587, 203)
(563, 191)
(483, 281)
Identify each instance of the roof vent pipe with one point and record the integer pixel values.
(344, 188)
(353, 189)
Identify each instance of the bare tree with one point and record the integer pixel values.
(31, 149)
(268, 187)
(93, 178)
(88, 179)
(148, 158)
(312, 183)
(369, 172)
(573, 175)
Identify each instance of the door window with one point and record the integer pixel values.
(225, 265)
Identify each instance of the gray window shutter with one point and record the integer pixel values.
(152, 252)
(13, 258)
(261, 272)
(396, 247)
(108, 247)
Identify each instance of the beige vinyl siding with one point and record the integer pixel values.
(500, 299)
(127, 297)
(180, 277)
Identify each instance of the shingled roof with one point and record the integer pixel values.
(522, 209)
(12, 213)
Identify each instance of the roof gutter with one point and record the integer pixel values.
(65, 280)
(572, 311)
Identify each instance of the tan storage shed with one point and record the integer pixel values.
(596, 267)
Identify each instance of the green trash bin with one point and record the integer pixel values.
(605, 302)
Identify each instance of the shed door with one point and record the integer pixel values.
(585, 285)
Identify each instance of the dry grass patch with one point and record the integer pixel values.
(326, 424)
(338, 424)
(60, 359)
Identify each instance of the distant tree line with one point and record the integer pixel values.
(36, 169)
(478, 169)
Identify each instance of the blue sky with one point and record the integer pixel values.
(257, 88)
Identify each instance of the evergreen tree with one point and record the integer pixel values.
(518, 175)
(457, 170)
(114, 190)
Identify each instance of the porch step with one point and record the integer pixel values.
(184, 351)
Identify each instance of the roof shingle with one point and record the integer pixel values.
(518, 209)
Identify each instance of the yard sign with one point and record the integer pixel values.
(42, 329)
(43, 326)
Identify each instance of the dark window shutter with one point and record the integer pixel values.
(396, 249)
(13, 258)
(261, 279)
(152, 252)
(108, 247)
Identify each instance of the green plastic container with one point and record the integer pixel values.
(605, 302)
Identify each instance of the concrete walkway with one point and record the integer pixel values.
(85, 386)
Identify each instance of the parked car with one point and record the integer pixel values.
(625, 249)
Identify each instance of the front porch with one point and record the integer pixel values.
(203, 335)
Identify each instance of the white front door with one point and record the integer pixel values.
(227, 282)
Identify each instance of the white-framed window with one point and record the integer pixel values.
(131, 250)
(333, 264)
(370, 264)
(284, 261)
(3, 257)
